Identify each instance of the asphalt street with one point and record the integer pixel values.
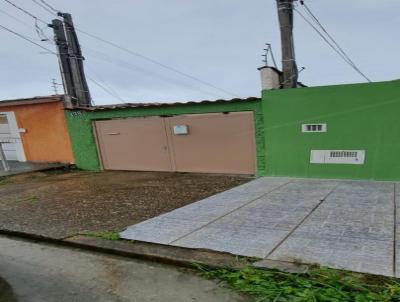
(38, 272)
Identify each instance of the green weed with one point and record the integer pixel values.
(4, 180)
(26, 199)
(319, 284)
(110, 235)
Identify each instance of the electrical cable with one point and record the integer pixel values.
(16, 19)
(332, 45)
(157, 63)
(43, 7)
(106, 87)
(310, 13)
(42, 36)
(49, 6)
(184, 74)
(122, 64)
(316, 20)
(25, 11)
(38, 30)
(27, 39)
(107, 90)
(134, 68)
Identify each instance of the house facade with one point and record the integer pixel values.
(35, 130)
(344, 131)
(207, 137)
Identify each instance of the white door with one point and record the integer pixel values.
(9, 133)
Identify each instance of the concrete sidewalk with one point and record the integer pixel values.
(342, 224)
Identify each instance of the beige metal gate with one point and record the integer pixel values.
(134, 144)
(209, 143)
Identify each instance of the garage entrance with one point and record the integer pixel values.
(209, 143)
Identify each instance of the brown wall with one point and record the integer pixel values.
(46, 138)
(215, 143)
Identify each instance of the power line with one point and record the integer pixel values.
(184, 74)
(350, 61)
(332, 46)
(39, 31)
(107, 90)
(16, 19)
(132, 67)
(310, 13)
(42, 36)
(319, 33)
(26, 39)
(25, 11)
(43, 7)
(49, 6)
(157, 63)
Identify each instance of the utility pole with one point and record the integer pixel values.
(289, 66)
(76, 62)
(63, 57)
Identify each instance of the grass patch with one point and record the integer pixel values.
(26, 199)
(4, 180)
(110, 235)
(319, 284)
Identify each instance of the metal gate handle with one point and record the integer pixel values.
(115, 133)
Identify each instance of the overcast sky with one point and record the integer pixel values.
(217, 41)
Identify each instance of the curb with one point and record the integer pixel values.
(178, 256)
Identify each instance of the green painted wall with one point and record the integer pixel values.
(359, 117)
(83, 140)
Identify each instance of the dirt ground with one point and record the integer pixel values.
(63, 204)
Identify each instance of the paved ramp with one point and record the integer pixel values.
(341, 224)
(26, 167)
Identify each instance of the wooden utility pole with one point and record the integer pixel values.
(289, 66)
(65, 67)
(76, 62)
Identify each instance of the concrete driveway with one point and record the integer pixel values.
(342, 224)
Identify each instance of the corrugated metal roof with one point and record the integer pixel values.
(33, 100)
(153, 105)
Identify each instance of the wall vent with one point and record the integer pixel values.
(314, 128)
(350, 157)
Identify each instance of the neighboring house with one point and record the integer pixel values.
(208, 137)
(35, 129)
